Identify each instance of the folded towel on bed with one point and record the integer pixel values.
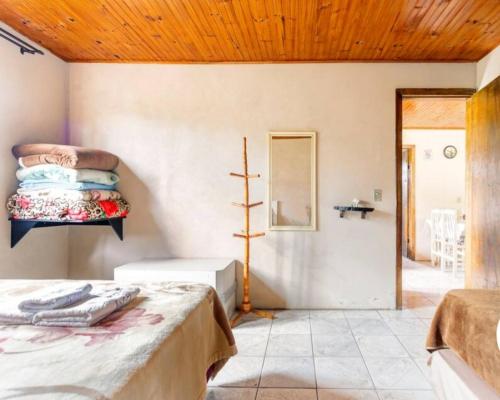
(75, 195)
(10, 314)
(29, 155)
(55, 173)
(88, 312)
(58, 296)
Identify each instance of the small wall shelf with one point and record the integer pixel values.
(362, 210)
(20, 227)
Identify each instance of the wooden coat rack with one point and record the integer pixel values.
(246, 306)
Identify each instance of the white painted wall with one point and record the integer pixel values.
(32, 108)
(439, 182)
(488, 68)
(178, 130)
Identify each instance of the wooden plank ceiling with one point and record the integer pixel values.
(258, 30)
(434, 113)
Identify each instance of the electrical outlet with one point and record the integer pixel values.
(377, 194)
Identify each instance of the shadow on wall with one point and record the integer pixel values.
(142, 222)
(291, 264)
(258, 290)
(294, 256)
(95, 255)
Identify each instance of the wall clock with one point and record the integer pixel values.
(450, 151)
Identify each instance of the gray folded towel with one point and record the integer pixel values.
(87, 312)
(62, 295)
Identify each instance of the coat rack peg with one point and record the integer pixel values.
(247, 206)
(257, 234)
(244, 175)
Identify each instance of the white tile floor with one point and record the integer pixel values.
(338, 354)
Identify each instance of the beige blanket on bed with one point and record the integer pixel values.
(158, 347)
(466, 321)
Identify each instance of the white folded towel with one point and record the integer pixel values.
(10, 314)
(62, 295)
(88, 312)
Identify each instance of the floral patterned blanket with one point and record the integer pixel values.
(158, 347)
(65, 209)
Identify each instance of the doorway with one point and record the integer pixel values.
(408, 201)
(420, 155)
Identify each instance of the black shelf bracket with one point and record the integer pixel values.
(362, 210)
(20, 227)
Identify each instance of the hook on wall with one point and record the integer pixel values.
(24, 47)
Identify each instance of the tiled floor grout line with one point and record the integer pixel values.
(313, 357)
(411, 358)
(362, 358)
(425, 376)
(265, 355)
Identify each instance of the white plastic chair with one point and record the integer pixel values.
(452, 248)
(436, 237)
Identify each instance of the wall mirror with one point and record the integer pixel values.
(292, 181)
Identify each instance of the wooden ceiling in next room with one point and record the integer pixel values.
(434, 113)
(258, 30)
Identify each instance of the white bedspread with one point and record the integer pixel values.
(158, 347)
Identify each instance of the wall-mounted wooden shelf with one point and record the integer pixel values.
(20, 227)
(362, 210)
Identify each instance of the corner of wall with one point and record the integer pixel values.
(488, 68)
(67, 134)
(34, 86)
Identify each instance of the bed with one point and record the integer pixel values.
(164, 345)
(465, 361)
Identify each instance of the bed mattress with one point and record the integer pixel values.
(158, 347)
(453, 379)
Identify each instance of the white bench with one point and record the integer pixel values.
(220, 273)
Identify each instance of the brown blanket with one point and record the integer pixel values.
(466, 322)
(65, 156)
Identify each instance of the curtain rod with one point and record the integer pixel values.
(24, 47)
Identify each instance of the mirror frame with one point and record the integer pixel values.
(313, 225)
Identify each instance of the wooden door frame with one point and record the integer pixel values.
(400, 94)
(411, 246)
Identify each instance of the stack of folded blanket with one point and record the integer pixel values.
(61, 183)
(68, 304)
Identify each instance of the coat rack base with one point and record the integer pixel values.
(258, 313)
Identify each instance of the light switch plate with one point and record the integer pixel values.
(377, 194)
